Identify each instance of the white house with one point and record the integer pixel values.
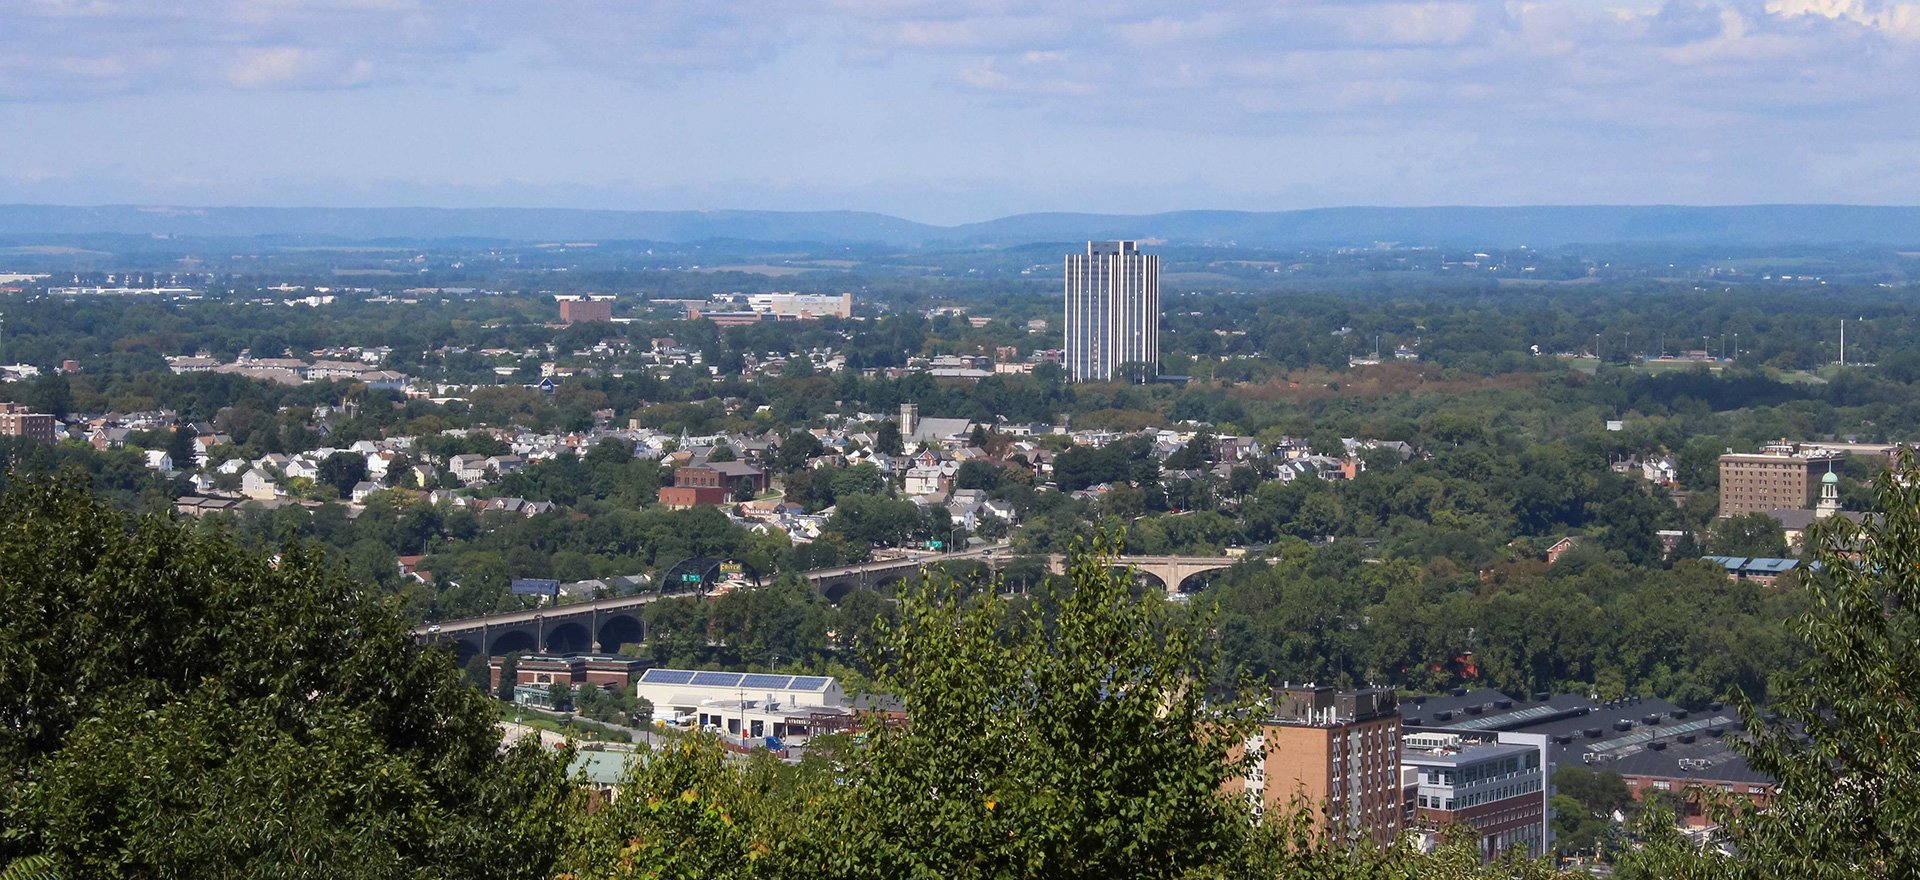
(924, 481)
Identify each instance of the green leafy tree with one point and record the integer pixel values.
(887, 439)
(180, 449)
(1749, 534)
(342, 471)
(176, 707)
(1842, 734)
(1069, 741)
(509, 676)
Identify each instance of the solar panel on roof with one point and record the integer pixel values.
(666, 676)
(717, 679)
(761, 681)
(809, 683)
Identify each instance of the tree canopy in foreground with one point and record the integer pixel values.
(171, 706)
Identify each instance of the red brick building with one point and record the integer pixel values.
(694, 487)
(714, 483)
(608, 673)
(18, 421)
(582, 310)
(1338, 751)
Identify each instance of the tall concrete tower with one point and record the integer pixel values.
(1112, 311)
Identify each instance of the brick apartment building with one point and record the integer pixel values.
(1336, 750)
(715, 483)
(580, 310)
(16, 420)
(1781, 476)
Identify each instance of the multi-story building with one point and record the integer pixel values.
(1495, 783)
(1338, 751)
(583, 309)
(1653, 744)
(1783, 475)
(804, 306)
(1112, 311)
(713, 483)
(695, 487)
(16, 420)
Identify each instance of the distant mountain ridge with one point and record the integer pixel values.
(1539, 226)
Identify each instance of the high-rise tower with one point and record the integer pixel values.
(1112, 311)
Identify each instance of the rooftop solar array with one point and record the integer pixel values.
(755, 681)
(1645, 735)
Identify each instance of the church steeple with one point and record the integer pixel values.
(1829, 495)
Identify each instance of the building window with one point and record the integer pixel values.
(1661, 784)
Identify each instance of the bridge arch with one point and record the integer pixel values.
(621, 629)
(1141, 575)
(464, 650)
(570, 637)
(513, 641)
(1194, 582)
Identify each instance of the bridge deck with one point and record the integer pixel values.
(615, 604)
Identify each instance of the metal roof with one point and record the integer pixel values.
(736, 681)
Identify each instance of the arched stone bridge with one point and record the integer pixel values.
(603, 625)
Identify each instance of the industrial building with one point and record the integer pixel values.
(679, 692)
(1653, 744)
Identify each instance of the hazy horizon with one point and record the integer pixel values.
(185, 207)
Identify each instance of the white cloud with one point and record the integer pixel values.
(1488, 91)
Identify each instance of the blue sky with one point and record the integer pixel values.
(958, 110)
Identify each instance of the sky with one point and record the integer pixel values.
(958, 110)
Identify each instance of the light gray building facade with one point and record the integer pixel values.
(1112, 311)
